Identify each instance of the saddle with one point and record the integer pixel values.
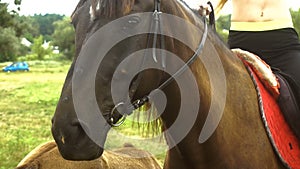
(282, 87)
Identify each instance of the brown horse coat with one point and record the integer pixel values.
(46, 156)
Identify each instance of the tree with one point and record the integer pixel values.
(296, 20)
(26, 27)
(45, 24)
(10, 31)
(64, 37)
(223, 26)
(38, 49)
(9, 44)
(5, 17)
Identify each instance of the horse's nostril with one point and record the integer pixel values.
(81, 125)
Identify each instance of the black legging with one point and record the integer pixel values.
(278, 48)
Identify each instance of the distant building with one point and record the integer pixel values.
(26, 42)
(46, 45)
(55, 50)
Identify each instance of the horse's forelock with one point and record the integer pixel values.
(110, 8)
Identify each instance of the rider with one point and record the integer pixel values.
(265, 28)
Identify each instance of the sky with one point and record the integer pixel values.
(31, 7)
(66, 7)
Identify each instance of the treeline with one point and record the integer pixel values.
(34, 37)
(40, 25)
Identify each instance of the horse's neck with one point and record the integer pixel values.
(240, 134)
(240, 126)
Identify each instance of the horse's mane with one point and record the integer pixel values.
(111, 8)
(114, 8)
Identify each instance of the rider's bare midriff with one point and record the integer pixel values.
(260, 10)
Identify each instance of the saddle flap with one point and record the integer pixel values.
(288, 104)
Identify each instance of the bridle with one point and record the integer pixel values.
(158, 27)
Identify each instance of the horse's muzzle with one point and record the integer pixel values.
(72, 141)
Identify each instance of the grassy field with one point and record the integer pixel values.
(27, 104)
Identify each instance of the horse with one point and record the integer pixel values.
(205, 97)
(47, 156)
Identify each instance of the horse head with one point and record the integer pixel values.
(70, 133)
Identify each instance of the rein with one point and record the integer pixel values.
(140, 102)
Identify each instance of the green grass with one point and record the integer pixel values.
(27, 104)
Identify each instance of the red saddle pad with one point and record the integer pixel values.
(284, 141)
